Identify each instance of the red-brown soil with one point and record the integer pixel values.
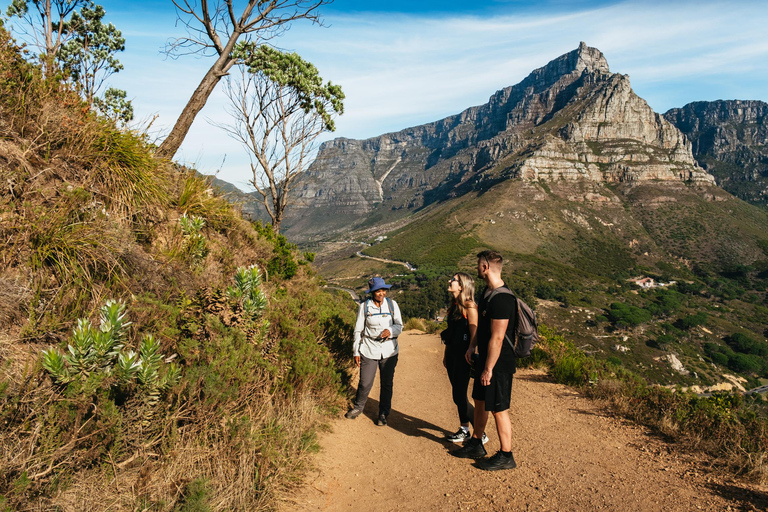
(572, 454)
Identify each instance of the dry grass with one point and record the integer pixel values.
(415, 323)
(245, 471)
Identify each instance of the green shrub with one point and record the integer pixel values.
(195, 497)
(624, 315)
(194, 241)
(248, 292)
(665, 302)
(96, 354)
(747, 345)
(283, 265)
(691, 321)
(665, 339)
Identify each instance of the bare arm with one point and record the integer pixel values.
(498, 330)
(472, 321)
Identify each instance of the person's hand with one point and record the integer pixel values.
(468, 355)
(385, 334)
(485, 378)
(357, 361)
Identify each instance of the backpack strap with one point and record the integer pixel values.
(505, 290)
(389, 305)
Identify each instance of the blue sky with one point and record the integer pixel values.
(403, 63)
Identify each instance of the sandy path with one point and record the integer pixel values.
(571, 455)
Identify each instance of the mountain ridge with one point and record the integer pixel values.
(730, 139)
(570, 119)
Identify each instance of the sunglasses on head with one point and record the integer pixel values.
(453, 280)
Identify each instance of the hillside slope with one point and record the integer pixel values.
(149, 335)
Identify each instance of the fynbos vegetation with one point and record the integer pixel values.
(157, 351)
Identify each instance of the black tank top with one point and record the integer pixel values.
(458, 333)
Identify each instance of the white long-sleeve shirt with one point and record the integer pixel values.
(367, 329)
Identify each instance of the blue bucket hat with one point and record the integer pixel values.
(377, 283)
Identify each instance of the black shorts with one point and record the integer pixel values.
(497, 395)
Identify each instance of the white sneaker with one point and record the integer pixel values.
(485, 438)
(460, 436)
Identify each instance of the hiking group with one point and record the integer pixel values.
(477, 341)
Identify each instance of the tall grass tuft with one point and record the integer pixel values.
(127, 175)
(196, 197)
(415, 323)
(75, 250)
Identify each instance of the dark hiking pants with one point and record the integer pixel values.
(368, 374)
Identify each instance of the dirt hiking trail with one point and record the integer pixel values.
(571, 455)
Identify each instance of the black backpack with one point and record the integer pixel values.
(526, 328)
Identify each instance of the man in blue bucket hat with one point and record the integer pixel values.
(378, 325)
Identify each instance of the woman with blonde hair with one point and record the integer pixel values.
(462, 325)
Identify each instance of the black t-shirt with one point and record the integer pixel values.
(502, 306)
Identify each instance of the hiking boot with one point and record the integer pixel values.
(353, 413)
(498, 461)
(460, 436)
(473, 449)
(382, 421)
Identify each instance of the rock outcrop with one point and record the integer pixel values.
(730, 140)
(569, 120)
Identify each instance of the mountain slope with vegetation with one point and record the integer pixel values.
(583, 188)
(157, 351)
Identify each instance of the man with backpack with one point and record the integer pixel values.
(495, 366)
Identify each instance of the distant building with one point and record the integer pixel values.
(648, 282)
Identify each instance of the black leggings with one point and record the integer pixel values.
(458, 374)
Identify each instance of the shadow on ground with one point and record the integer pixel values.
(749, 499)
(406, 424)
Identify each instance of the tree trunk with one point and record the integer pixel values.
(171, 144)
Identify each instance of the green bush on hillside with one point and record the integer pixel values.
(736, 361)
(665, 302)
(283, 265)
(743, 343)
(625, 315)
(690, 321)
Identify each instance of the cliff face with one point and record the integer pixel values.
(569, 120)
(730, 140)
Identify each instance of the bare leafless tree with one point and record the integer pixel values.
(280, 106)
(214, 29)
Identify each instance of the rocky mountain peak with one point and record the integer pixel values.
(569, 120)
(583, 58)
(590, 59)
